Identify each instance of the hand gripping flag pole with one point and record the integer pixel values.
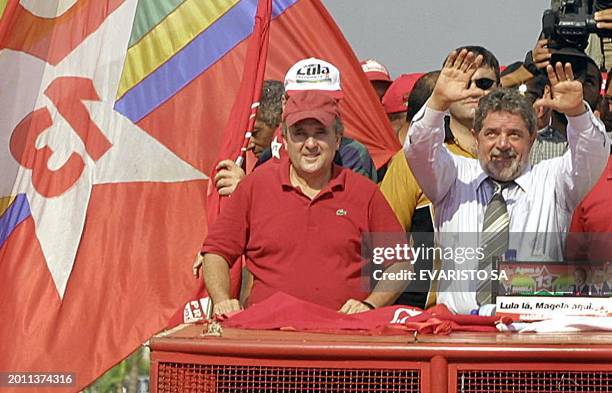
(247, 135)
(237, 134)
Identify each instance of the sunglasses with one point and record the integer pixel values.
(482, 83)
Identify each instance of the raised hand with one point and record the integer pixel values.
(452, 84)
(565, 93)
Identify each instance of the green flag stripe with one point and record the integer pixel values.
(149, 13)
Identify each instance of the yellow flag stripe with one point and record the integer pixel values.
(5, 202)
(169, 37)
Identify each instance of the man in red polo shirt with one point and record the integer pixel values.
(299, 221)
(594, 213)
(591, 228)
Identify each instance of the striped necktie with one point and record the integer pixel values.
(495, 238)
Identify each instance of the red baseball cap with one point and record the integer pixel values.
(311, 104)
(375, 71)
(396, 98)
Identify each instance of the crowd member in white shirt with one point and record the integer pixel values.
(538, 199)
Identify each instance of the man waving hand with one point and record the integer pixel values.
(499, 192)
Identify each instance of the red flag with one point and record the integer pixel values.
(240, 123)
(299, 29)
(242, 116)
(283, 311)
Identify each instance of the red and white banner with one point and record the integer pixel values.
(99, 221)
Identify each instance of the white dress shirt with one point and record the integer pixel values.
(542, 200)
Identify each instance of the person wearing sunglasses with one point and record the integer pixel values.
(459, 124)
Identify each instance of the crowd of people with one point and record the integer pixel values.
(486, 151)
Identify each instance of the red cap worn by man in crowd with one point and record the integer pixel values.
(310, 105)
(395, 102)
(378, 75)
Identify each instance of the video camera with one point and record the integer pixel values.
(569, 26)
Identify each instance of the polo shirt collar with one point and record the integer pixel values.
(336, 182)
(284, 171)
(338, 178)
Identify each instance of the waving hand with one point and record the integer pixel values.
(452, 84)
(565, 93)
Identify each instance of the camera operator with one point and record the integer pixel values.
(565, 32)
(601, 9)
(551, 141)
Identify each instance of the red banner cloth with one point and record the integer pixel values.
(285, 312)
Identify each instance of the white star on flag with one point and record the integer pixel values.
(135, 156)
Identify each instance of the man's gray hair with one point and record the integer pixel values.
(339, 126)
(505, 100)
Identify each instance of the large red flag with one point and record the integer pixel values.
(99, 220)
